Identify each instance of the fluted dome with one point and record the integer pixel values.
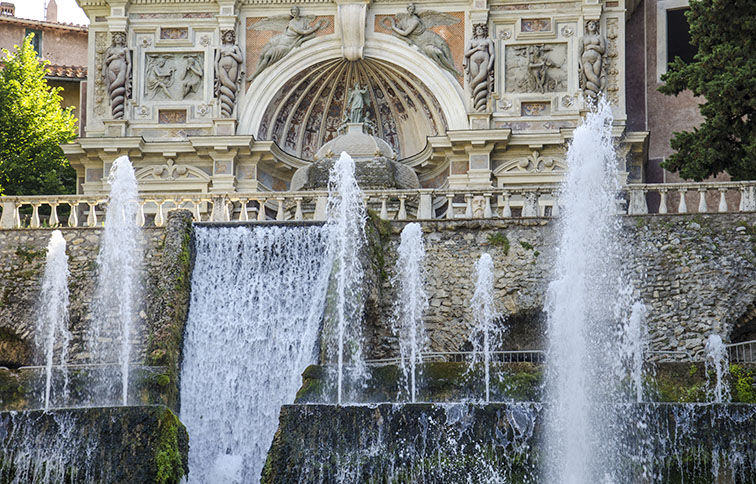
(375, 164)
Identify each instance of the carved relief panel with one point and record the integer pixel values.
(536, 68)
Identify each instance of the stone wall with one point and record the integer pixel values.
(695, 273)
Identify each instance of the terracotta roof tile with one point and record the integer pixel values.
(68, 72)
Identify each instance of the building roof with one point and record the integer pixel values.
(67, 72)
(42, 24)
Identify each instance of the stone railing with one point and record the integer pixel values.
(421, 204)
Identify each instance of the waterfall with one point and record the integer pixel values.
(257, 298)
(483, 336)
(346, 229)
(586, 304)
(115, 301)
(716, 360)
(52, 320)
(410, 304)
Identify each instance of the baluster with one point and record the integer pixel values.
(298, 212)
(530, 209)
(384, 208)
(73, 216)
(747, 198)
(17, 215)
(92, 217)
(702, 208)
(683, 206)
(159, 214)
(243, 211)
(506, 211)
(54, 222)
(555, 207)
(228, 207)
(402, 208)
(468, 205)
(140, 213)
(196, 210)
(35, 215)
(638, 205)
(722, 200)
(280, 215)
(321, 204)
(487, 208)
(450, 206)
(663, 202)
(261, 210)
(425, 207)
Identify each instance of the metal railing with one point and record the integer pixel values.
(420, 204)
(744, 352)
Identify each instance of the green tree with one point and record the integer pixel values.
(723, 71)
(32, 125)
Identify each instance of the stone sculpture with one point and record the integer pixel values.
(295, 29)
(116, 71)
(414, 28)
(160, 76)
(479, 66)
(228, 73)
(357, 103)
(538, 69)
(192, 78)
(592, 49)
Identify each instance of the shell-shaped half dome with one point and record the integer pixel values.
(308, 110)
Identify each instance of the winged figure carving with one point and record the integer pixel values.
(414, 28)
(295, 29)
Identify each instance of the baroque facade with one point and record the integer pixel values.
(237, 95)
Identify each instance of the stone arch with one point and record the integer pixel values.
(744, 328)
(446, 91)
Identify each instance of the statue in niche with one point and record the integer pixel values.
(160, 75)
(414, 28)
(592, 49)
(228, 73)
(295, 29)
(116, 70)
(357, 103)
(479, 66)
(192, 78)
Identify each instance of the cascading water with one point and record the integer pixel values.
(716, 362)
(634, 347)
(346, 231)
(115, 301)
(584, 363)
(410, 304)
(257, 298)
(52, 320)
(484, 334)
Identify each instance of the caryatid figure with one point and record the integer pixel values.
(228, 73)
(116, 71)
(592, 49)
(479, 66)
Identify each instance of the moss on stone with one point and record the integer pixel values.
(499, 239)
(170, 465)
(743, 390)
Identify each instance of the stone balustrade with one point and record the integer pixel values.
(421, 204)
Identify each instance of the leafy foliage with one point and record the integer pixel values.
(724, 73)
(32, 125)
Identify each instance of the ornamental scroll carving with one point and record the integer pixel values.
(228, 73)
(295, 30)
(414, 28)
(479, 66)
(592, 65)
(116, 72)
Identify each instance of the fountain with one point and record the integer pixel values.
(484, 335)
(115, 301)
(346, 229)
(256, 304)
(716, 362)
(52, 321)
(410, 304)
(584, 364)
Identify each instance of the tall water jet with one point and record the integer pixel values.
(115, 301)
(484, 334)
(634, 347)
(716, 362)
(411, 303)
(257, 299)
(52, 320)
(346, 229)
(584, 368)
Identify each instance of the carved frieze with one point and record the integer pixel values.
(536, 68)
(100, 91)
(536, 162)
(536, 25)
(613, 68)
(174, 76)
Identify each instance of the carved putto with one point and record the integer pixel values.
(228, 73)
(116, 72)
(591, 65)
(295, 29)
(479, 66)
(414, 28)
